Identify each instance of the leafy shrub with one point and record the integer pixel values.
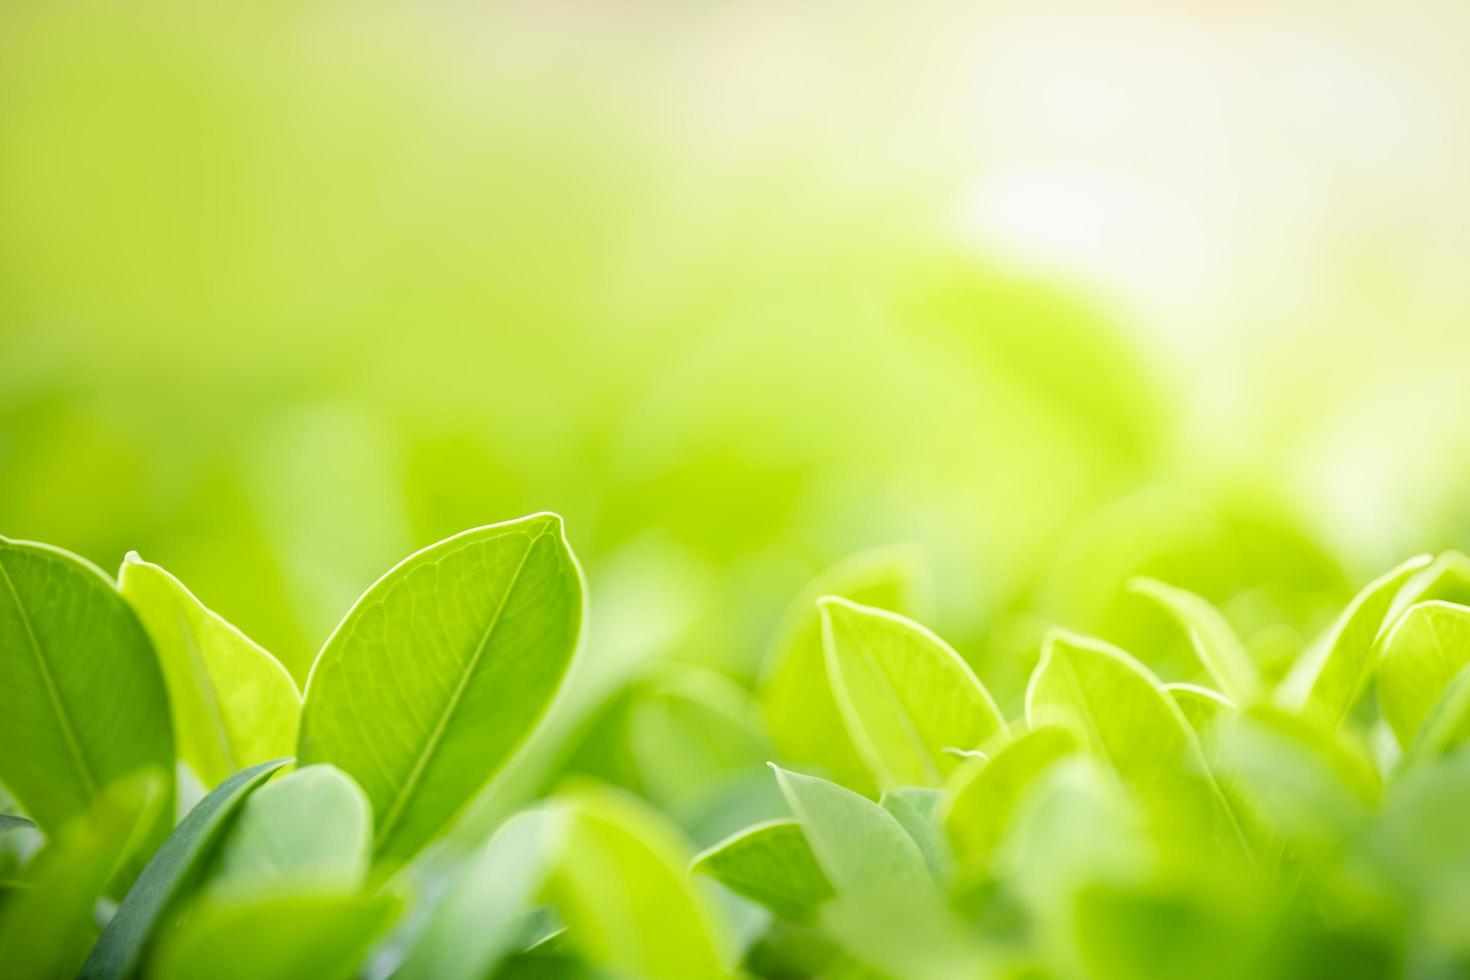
(459, 792)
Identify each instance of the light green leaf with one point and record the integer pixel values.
(1202, 707)
(1214, 642)
(903, 693)
(1118, 709)
(1446, 727)
(1447, 579)
(986, 794)
(1422, 653)
(84, 699)
(47, 927)
(297, 937)
(119, 951)
(233, 704)
(10, 821)
(622, 887)
(483, 913)
(1329, 677)
(796, 695)
(310, 830)
(442, 670)
(770, 863)
(916, 809)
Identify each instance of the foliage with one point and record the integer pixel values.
(1115, 826)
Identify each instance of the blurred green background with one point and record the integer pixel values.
(1056, 292)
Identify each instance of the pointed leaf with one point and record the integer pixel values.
(1117, 708)
(47, 927)
(441, 671)
(1202, 707)
(1446, 727)
(84, 699)
(1426, 648)
(622, 887)
(795, 693)
(119, 952)
(1328, 679)
(483, 914)
(770, 863)
(904, 694)
(916, 810)
(986, 795)
(310, 830)
(298, 937)
(1214, 642)
(233, 704)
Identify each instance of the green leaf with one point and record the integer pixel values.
(1446, 727)
(903, 693)
(1422, 653)
(622, 887)
(917, 810)
(1201, 706)
(233, 704)
(47, 927)
(310, 830)
(1214, 642)
(1328, 679)
(119, 952)
(84, 699)
(1118, 709)
(770, 863)
(297, 937)
(482, 915)
(442, 670)
(10, 821)
(985, 795)
(796, 696)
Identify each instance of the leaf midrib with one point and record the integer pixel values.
(400, 801)
(68, 733)
(204, 683)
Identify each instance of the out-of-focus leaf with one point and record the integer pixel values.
(1123, 716)
(621, 885)
(1446, 727)
(916, 808)
(1446, 579)
(903, 693)
(1422, 653)
(1132, 933)
(442, 670)
(796, 694)
(985, 795)
(10, 821)
(310, 830)
(1328, 678)
(770, 863)
(1216, 644)
(233, 704)
(120, 950)
(47, 926)
(74, 720)
(296, 937)
(1201, 706)
(482, 914)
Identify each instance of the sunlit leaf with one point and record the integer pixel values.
(310, 830)
(120, 950)
(1201, 706)
(1329, 677)
(1123, 716)
(770, 863)
(796, 695)
(1216, 644)
(917, 811)
(1423, 652)
(233, 704)
(297, 937)
(621, 885)
(85, 702)
(1446, 727)
(441, 671)
(904, 694)
(48, 926)
(985, 794)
